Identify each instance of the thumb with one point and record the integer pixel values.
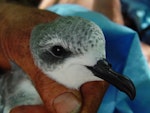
(67, 103)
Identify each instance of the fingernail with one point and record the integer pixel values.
(67, 103)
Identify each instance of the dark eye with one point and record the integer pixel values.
(58, 51)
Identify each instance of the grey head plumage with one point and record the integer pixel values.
(74, 37)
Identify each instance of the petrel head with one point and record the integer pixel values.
(71, 50)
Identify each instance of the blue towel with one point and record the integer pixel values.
(124, 53)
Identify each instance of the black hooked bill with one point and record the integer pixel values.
(103, 70)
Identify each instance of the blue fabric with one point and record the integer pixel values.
(139, 12)
(124, 53)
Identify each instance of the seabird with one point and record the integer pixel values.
(70, 50)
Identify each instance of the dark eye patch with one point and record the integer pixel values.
(58, 51)
(55, 54)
